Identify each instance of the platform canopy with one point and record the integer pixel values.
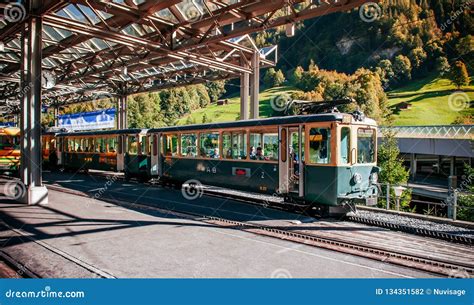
(100, 48)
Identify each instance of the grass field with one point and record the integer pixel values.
(230, 112)
(433, 101)
(429, 101)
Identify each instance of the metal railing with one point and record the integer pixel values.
(451, 203)
(465, 132)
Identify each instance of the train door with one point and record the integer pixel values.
(155, 168)
(120, 153)
(59, 149)
(290, 160)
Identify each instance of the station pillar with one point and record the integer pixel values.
(33, 192)
(255, 86)
(122, 122)
(56, 116)
(413, 165)
(244, 93)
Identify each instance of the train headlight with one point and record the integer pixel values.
(374, 178)
(357, 178)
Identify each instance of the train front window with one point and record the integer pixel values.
(234, 146)
(365, 145)
(345, 145)
(189, 145)
(209, 145)
(320, 145)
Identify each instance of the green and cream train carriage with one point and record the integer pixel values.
(112, 150)
(323, 160)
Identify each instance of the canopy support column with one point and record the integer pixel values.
(122, 122)
(255, 86)
(34, 191)
(244, 93)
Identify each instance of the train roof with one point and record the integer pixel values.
(102, 132)
(300, 119)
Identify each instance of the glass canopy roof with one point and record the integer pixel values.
(130, 46)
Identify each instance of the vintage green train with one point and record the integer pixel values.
(322, 160)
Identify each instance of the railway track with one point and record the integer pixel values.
(457, 264)
(278, 203)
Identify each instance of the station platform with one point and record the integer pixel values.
(82, 237)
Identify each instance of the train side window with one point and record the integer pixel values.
(132, 145)
(189, 145)
(320, 145)
(170, 145)
(100, 148)
(345, 145)
(255, 143)
(365, 145)
(112, 145)
(227, 145)
(270, 147)
(234, 146)
(209, 145)
(284, 143)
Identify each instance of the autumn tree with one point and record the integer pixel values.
(458, 75)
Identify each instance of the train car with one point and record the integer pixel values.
(324, 160)
(49, 149)
(9, 149)
(112, 150)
